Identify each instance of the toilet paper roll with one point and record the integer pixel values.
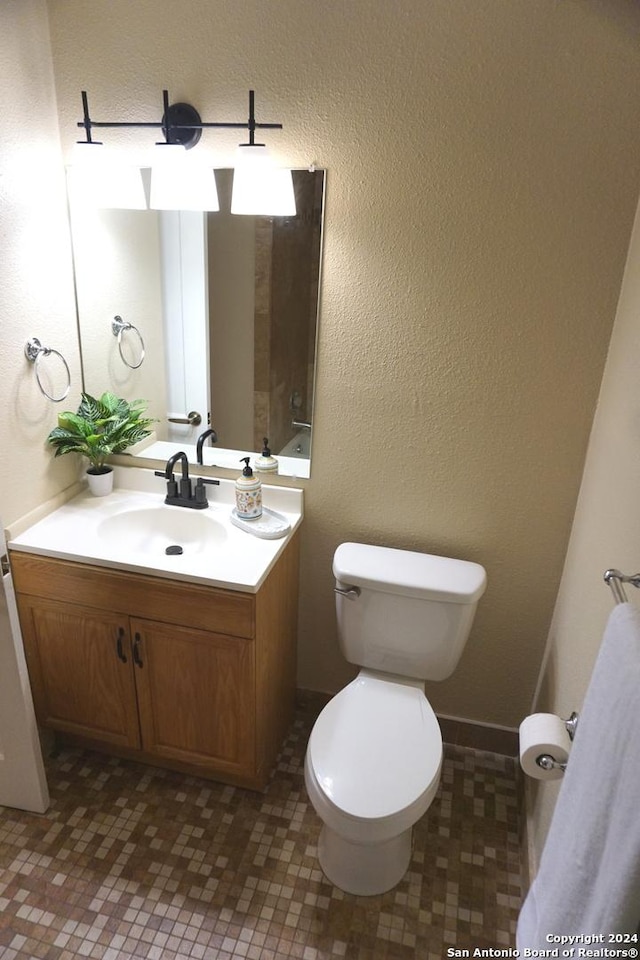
(540, 734)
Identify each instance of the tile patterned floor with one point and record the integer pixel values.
(132, 861)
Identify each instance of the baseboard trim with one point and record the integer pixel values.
(479, 736)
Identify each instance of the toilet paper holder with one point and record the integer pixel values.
(545, 761)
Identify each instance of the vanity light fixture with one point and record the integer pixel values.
(180, 185)
(260, 188)
(101, 180)
(180, 181)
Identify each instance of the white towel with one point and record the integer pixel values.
(589, 876)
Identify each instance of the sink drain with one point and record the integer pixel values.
(174, 550)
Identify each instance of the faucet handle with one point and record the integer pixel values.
(172, 485)
(201, 491)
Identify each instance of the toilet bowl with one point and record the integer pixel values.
(374, 756)
(384, 729)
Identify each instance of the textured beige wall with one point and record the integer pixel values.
(482, 179)
(606, 531)
(36, 285)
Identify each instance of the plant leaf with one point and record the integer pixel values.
(101, 427)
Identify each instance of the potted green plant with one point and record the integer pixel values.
(101, 426)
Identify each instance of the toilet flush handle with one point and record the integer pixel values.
(351, 593)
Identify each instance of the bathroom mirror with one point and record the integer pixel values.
(211, 318)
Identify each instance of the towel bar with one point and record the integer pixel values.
(615, 579)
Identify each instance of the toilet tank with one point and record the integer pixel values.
(410, 613)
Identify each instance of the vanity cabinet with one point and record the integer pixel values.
(181, 675)
(81, 684)
(211, 677)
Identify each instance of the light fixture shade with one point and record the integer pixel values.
(259, 187)
(99, 179)
(180, 181)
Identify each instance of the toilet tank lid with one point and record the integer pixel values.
(409, 573)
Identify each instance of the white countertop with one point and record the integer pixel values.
(232, 559)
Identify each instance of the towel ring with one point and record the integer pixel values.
(34, 352)
(118, 326)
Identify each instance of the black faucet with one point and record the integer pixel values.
(201, 439)
(183, 494)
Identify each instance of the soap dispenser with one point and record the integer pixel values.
(266, 463)
(248, 493)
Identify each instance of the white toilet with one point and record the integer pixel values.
(375, 753)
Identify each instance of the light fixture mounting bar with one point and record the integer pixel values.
(181, 123)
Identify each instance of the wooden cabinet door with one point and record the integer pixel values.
(195, 696)
(81, 670)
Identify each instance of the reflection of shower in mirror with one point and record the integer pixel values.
(298, 446)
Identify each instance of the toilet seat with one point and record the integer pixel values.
(385, 729)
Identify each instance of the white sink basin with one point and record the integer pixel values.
(132, 528)
(160, 529)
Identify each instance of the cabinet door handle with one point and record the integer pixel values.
(137, 659)
(119, 647)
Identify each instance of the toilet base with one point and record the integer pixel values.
(361, 868)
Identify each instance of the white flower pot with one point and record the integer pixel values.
(100, 484)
